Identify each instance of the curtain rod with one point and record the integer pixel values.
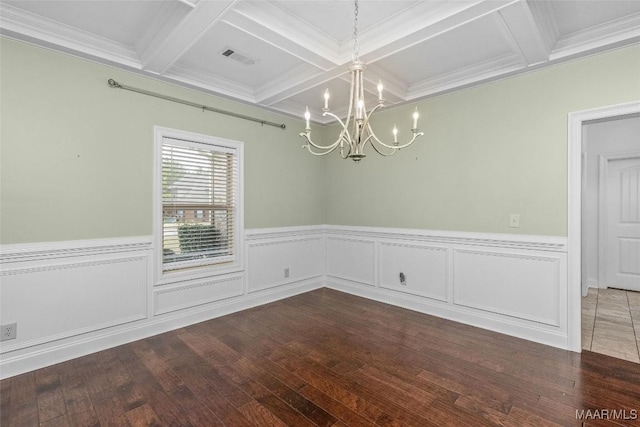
(115, 84)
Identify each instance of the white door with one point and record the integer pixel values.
(623, 224)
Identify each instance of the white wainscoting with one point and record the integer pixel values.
(352, 259)
(74, 298)
(72, 288)
(298, 250)
(511, 284)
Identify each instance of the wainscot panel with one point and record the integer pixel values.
(72, 289)
(351, 259)
(171, 298)
(425, 269)
(511, 284)
(74, 298)
(278, 257)
(522, 284)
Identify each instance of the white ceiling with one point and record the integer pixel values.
(417, 48)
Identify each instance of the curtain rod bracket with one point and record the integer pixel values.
(114, 84)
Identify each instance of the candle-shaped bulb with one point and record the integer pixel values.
(415, 118)
(326, 99)
(360, 108)
(307, 116)
(395, 134)
(379, 90)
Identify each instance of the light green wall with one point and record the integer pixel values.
(488, 151)
(76, 155)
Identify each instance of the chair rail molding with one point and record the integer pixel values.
(474, 278)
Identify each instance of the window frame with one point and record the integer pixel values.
(236, 263)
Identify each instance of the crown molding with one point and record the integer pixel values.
(27, 26)
(168, 17)
(625, 30)
(475, 73)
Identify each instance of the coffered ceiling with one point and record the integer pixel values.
(287, 52)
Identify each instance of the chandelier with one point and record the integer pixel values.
(356, 130)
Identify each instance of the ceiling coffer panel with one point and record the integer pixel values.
(285, 52)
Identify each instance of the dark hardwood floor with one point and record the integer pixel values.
(327, 358)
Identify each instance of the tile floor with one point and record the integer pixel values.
(611, 323)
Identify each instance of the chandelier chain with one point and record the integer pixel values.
(356, 42)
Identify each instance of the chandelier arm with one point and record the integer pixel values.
(328, 113)
(373, 138)
(308, 147)
(331, 146)
(367, 116)
(398, 147)
(383, 153)
(339, 142)
(395, 146)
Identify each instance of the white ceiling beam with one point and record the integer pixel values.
(406, 29)
(278, 40)
(285, 31)
(524, 31)
(167, 48)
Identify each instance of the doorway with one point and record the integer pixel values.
(610, 236)
(576, 164)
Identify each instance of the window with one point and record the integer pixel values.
(198, 197)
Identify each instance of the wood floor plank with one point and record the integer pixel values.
(143, 416)
(24, 413)
(5, 402)
(325, 358)
(61, 421)
(111, 413)
(210, 396)
(23, 388)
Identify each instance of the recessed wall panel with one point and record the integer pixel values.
(60, 299)
(278, 262)
(351, 259)
(521, 285)
(424, 269)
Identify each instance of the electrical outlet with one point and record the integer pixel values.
(9, 331)
(286, 273)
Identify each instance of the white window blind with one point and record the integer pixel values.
(199, 204)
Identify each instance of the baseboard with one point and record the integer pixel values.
(26, 361)
(512, 284)
(97, 294)
(479, 318)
